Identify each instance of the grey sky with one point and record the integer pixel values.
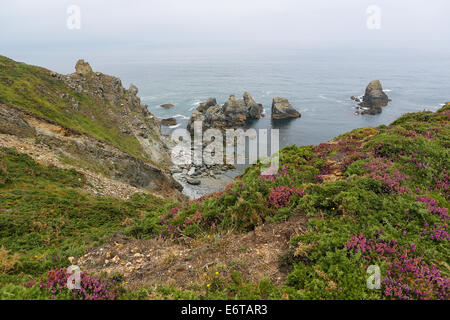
(408, 23)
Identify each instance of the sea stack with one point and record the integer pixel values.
(374, 98)
(234, 113)
(282, 109)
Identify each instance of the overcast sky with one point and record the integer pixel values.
(271, 23)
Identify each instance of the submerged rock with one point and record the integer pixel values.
(167, 106)
(356, 99)
(282, 109)
(169, 122)
(372, 111)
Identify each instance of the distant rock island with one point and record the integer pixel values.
(374, 98)
(237, 112)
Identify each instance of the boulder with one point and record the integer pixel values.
(169, 122)
(194, 182)
(83, 67)
(374, 96)
(167, 106)
(282, 109)
(210, 102)
(191, 171)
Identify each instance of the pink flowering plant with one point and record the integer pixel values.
(407, 275)
(91, 288)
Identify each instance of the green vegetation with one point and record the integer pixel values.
(374, 196)
(45, 218)
(236, 287)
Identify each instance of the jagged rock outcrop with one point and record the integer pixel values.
(374, 98)
(234, 113)
(255, 110)
(83, 67)
(86, 150)
(93, 120)
(123, 109)
(282, 109)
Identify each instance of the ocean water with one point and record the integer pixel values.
(317, 82)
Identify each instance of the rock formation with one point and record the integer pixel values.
(203, 107)
(374, 98)
(234, 113)
(169, 122)
(196, 116)
(83, 67)
(282, 109)
(167, 106)
(255, 110)
(93, 120)
(356, 99)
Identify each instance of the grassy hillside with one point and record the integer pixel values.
(45, 217)
(374, 196)
(34, 89)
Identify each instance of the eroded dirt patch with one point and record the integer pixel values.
(185, 262)
(96, 183)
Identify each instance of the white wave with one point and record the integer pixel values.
(175, 126)
(321, 96)
(180, 116)
(387, 90)
(147, 98)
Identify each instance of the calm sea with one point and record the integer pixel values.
(318, 83)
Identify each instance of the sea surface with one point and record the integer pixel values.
(317, 82)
